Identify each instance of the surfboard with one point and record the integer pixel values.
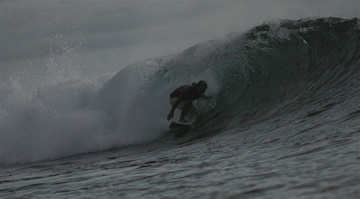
(175, 125)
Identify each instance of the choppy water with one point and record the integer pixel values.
(286, 124)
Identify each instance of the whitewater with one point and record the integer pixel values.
(286, 122)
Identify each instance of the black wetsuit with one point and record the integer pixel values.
(187, 93)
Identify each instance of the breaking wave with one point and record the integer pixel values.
(275, 70)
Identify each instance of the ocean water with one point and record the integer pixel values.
(285, 124)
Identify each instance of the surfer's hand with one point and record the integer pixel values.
(171, 115)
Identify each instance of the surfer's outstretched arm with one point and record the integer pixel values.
(171, 114)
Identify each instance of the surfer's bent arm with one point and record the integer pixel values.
(171, 114)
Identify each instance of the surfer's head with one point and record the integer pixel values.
(201, 87)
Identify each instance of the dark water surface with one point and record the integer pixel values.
(315, 161)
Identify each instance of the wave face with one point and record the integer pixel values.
(290, 67)
(276, 71)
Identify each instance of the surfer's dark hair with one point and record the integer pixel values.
(202, 82)
(201, 87)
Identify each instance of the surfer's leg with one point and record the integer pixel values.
(185, 109)
(179, 106)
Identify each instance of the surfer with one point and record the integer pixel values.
(183, 96)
